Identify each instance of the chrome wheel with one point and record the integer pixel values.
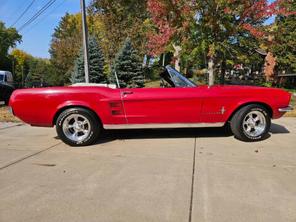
(76, 127)
(254, 124)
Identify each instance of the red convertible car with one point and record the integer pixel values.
(80, 113)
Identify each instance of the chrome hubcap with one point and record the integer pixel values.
(254, 124)
(76, 127)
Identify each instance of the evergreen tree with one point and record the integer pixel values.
(128, 66)
(40, 73)
(96, 64)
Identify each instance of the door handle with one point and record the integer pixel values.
(127, 92)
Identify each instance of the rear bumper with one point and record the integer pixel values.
(286, 109)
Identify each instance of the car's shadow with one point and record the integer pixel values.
(278, 129)
(111, 135)
(165, 133)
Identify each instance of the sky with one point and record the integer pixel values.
(37, 36)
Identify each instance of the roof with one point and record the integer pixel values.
(4, 72)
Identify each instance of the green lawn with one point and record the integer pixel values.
(152, 84)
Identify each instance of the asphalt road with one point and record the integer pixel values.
(150, 175)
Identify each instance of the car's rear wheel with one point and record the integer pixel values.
(251, 123)
(78, 127)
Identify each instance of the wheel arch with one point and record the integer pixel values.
(62, 109)
(265, 105)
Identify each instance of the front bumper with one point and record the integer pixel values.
(286, 109)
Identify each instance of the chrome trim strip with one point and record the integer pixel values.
(286, 109)
(162, 125)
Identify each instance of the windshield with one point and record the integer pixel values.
(178, 79)
(1, 78)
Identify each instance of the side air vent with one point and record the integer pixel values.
(116, 108)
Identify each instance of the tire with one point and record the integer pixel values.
(227, 129)
(251, 123)
(6, 93)
(78, 127)
(5, 98)
(6, 102)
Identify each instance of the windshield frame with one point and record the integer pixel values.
(174, 73)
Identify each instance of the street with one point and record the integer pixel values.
(148, 175)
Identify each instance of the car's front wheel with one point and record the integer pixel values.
(78, 127)
(251, 123)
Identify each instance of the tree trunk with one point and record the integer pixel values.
(211, 71)
(147, 62)
(177, 57)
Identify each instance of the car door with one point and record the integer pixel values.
(162, 105)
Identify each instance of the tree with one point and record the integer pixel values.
(21, 61)
(67, 40)
(30, 71)
(64, 48)
(41, 73)
(96, 64)
(9, 37)
(120, 19)
(284, 41)
(110, 22)
(221, 30)
(128, 66)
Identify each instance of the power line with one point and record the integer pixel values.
(37, 14)
(24, 12)
(44, 17)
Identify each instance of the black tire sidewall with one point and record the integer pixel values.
(94, 126)
(260, 109)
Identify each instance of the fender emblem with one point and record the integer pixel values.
(220, 112)
(223, 110)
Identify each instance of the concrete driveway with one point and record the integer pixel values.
(150, 175)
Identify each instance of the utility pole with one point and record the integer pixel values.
(85, 40)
